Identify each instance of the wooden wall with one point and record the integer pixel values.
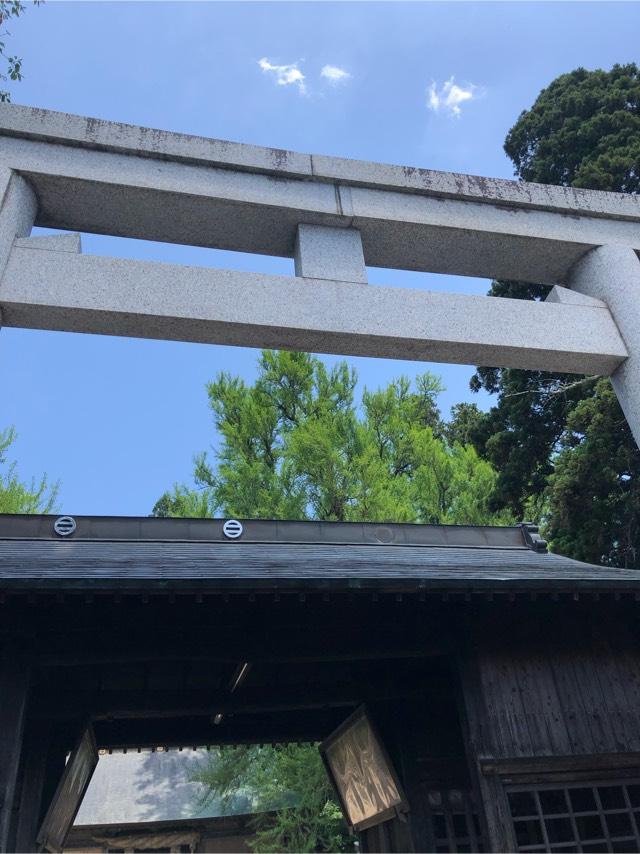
(553, 687)
(542, 686)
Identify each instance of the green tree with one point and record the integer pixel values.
(17, 496)
(463, 424)
(294, 804)
(294, 445)
(582, 131)
(597, 470)
(11, 65)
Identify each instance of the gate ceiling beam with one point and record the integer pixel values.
(172, 703)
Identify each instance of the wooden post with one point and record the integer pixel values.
(35, 756)
(15, 679)
(61, 742)
(476, 726)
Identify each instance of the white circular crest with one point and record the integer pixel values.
(232, 529)
(64, 526)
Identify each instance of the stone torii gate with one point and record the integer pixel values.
(332, 216)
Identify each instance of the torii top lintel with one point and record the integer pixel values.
(488, 227)
(334, 216)
(120, 138)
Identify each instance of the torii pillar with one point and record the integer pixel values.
(612, 274)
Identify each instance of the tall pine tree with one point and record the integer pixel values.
(295, 445)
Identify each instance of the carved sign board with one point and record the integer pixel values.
(363, 776)
(69, 794)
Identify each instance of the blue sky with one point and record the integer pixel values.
(436, 85)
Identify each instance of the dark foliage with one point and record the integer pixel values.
(548, 433)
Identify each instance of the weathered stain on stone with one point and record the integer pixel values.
(93, 128)
(279, 157)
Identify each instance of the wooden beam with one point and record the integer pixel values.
(263, 637)
(172, 703)
(198, 730)
(82, 658)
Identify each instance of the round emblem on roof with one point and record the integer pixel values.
(383, 535)
(232, 529)
(64, 526)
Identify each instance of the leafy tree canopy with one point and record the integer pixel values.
(10, 66)
(289, 782)
(16, 496)
(596, 474)
(294, 445)
(582, 131)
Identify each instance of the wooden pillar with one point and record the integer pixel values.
(15, 680)
(38, 745)
(476, 723)
(61, 743)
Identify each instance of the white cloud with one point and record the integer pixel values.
(334, 74)
(285, 75)
(450, 96)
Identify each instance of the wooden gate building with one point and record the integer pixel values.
(504, 681)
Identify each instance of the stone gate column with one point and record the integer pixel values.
(612, 274)
(18, 209)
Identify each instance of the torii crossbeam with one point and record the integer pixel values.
(333, 216)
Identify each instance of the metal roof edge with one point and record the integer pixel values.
(156, 529)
